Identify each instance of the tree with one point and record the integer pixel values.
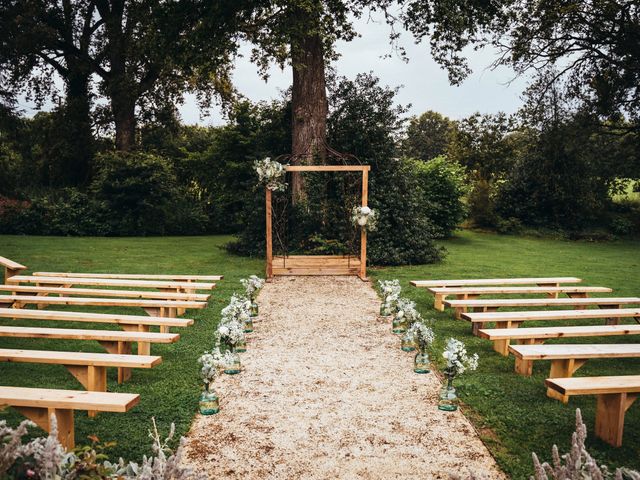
(427, 136)
(44, 37)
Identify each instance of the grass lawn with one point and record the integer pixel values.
(512, 413)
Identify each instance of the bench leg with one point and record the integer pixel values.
(563, 368)
(64, 419)
(577, 295)
(123, 348)
(502, 346)
(93, 378)
(611, 320)
(438, 301)
(550, 295)
(610, 412)
(525, 367)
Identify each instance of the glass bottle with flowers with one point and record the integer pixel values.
(252, 287)
(405, 310)
(238, 310)
(231, 334)
(424, 338)
(212, 363)
(458, 361)
(390, 290)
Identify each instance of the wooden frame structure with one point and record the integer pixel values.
(319, 264)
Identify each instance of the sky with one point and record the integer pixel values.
(423, 83)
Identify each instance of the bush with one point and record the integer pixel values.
(137, 190)
(482, 205)
(444, 185)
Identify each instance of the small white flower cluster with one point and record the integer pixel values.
(212, 363)
(252, 286)
(238, 310)
(231, 332)
(271, 174)
(406, 309)
(364, 217)
(390, 290)
(458, 361)
(420, 333)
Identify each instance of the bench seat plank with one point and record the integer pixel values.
(110, 282)
(94, 317)
(78, 358)
(103, 292)
(39, 404)
(540, 315)
(543, 333)
(614, 395)
(493, 281)
(82, 334)
(8, 263)
(132, 276)
(540, 302)
(100, 302)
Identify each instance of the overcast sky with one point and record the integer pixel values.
(424, 84)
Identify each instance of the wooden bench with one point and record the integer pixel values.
(471, 282)
(115, 342)
(133, 276)
(111, 282)
(103, 292)
(469, 293)
(40, 404)
(614, 397)
(156, 308)
(515, 319)
(567, 358)
(11, 268)
(538, 335)
(492, 305)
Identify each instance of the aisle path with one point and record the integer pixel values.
(328, 394)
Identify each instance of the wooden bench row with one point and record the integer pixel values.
(110, 282)
(101, 292)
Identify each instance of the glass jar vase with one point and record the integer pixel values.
(209, 402)
(241, 346)
(248, 325)
(408, 344)
(384, 310)
(448, 398)
(235, 367)
(421, 363)
(399, 325)
(253, 310)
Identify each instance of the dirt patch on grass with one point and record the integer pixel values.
(327, 393)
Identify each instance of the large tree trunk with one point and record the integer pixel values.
(77, 114)
(123, 108)
(309, 106)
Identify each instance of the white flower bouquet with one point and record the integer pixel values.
(404, 315)
(252, 286)
(238, 310)
(231, 333)
(213, 363)
(364, 217)
(421, 334)
(390, 290)
(458, 361)
(271, 174)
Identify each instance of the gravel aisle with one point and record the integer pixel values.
(328, 394)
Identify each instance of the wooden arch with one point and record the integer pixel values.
(319, 264)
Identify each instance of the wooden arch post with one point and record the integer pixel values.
(319, 264)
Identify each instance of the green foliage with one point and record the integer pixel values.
(427, 136)
(444, 186)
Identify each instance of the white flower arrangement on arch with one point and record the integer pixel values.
(458, 360)
(364, 217)
(271, 174)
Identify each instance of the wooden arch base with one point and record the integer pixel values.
(319, 264)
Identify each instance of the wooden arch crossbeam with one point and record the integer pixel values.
(319, 264)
